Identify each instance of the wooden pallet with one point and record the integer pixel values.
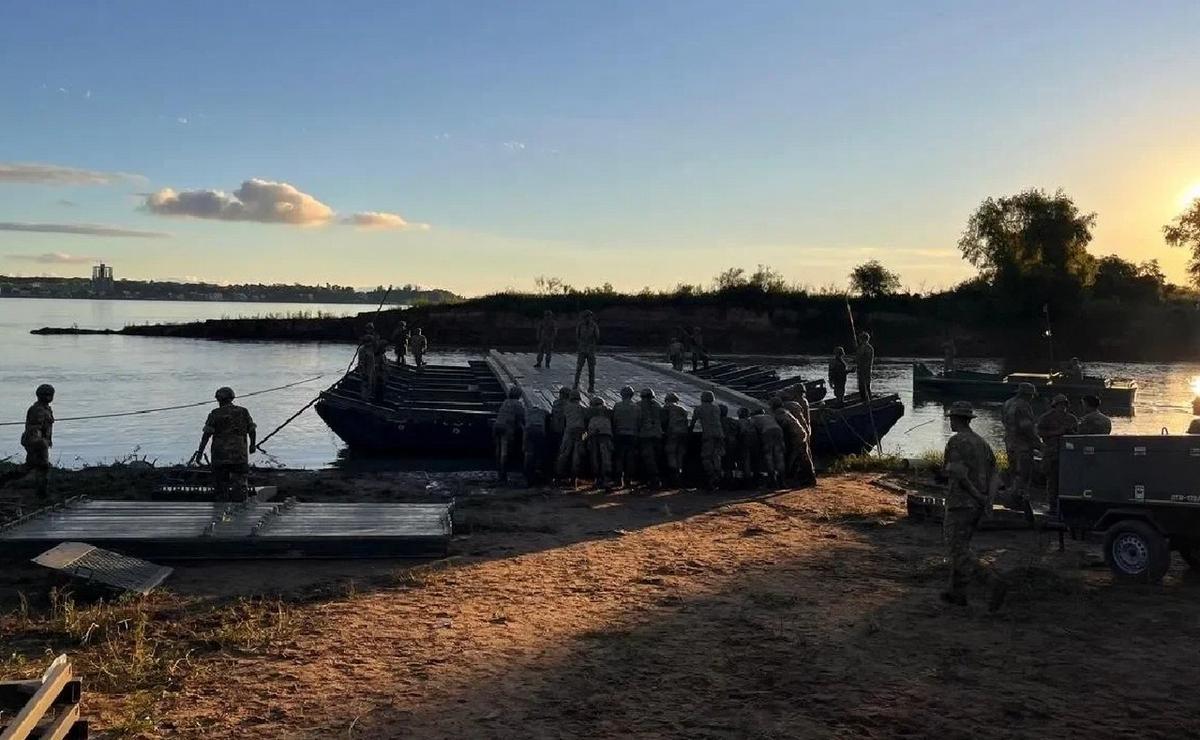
(45, 708)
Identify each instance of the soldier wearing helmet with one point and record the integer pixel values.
(1020, 440)
(677, 432)
(1052, 426)
(419, 345)
(970, 466)
(571, 449)
(675, 353)
(771, 445)
(37, 439)
(797, 462)
(547, 331)
(864, 364)
(625, 417)
(233, 434)
(400, 342)
(510, 420)
(649, 436)
(712, 437)
(699, 351)
(587, 337)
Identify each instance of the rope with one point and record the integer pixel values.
(174, 408)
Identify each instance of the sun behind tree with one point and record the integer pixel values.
(1184, 231)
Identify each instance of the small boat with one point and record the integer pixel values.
(759, 381)
(1114, 393)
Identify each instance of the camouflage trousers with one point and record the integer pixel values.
(502, 444)
(625, 455)
(751, 456)
(545, 352)
(676, 450)
(570, 454)
(799, 461)
(958, 528)
(37, 465)
(773, 459)
(712, 450)
(600, 451)
(230, 481)
(588, 358)
(1020, 471)
(648, 450)
(864, 383)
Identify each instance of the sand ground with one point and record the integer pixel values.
(678, 614)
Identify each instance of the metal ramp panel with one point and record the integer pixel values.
(112, 569)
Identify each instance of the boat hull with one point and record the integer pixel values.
(988, 387)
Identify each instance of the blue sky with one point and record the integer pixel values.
(637, 143)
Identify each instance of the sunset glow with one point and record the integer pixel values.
(1190, 194)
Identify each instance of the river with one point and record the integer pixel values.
(109, 374)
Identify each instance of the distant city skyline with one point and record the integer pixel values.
(475, 146)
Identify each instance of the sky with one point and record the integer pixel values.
(476, 145)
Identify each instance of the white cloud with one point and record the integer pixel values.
(261, 201)
(53, 258)
(52, 174)
(379, 220)
(514, 146)
(80, 230)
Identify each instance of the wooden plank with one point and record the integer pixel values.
(55, 679)
(62, 725)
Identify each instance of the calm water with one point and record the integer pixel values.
(104, 374)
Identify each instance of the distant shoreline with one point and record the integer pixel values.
(200, 300)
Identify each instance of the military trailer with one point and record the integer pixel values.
(1141, 492)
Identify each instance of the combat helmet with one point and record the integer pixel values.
(224, 393)
(627, 392)
(45, 390)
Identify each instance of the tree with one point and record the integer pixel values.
(551, 285)
(872, 280)
(1184, 231)
(768, 279)
(731, 279)
(1031, 247)
(1123, 280)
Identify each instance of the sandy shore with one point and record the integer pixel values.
(678, 614)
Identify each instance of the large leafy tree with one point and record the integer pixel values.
(872, 280)
(1123, 280)
(1031, 247)
(1184, 231)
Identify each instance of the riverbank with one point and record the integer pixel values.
(757, 323)
(678, 614)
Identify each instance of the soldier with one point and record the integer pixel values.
(600, 441)
(751, 446)
(770, 436)
(803, 462)
(712, 437)
(1075, 369)
(37, 439)
(675, 354)
(557, 420)
(626, 419)
(1020, 440)
(534, 444)
(650, 434)
(510, 419)
(400, 342)
(233, 436)
(798, 465)
(949, 356)
(699, 351)
(675, 426)
(864, 363)
(420, 343)
(1051, 427)
(970, 466)
(368, 368)
(1093, 421)
(587, 337)
(837, 375)
(547, 331)
(732, 462)
(570, 450)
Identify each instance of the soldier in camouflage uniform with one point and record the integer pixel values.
(599, 441)
(699, 351)
(864, 365)
(400, 342)
(37, 439)
(970, 466)
(798, 465)
(650, 434)
(771, 445)
(712, 437)
(233, 436)
(1093, 420)
(587, 337)
(1052, 426)
(675, 428)
(733, 443)
(368, 367)
(419, 344)
(547, 331)
(838, 371)
(570, 449)
(510, 419)
(751, 447)
(626, 417)
(1020, 440)
(675, 353)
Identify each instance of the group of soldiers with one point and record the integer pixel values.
(970, 466)
(229, 427)
(372, 356)
(864, 366)
(650, 443)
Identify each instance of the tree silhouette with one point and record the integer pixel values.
(1184, 231)
(872, 280)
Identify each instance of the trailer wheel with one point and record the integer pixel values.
(1136, 552)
